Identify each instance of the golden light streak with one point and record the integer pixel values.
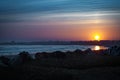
(97, 48)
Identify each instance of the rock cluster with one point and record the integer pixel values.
(114, 50)
(24, 57)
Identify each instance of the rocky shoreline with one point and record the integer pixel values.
(76, 65)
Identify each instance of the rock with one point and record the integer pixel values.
(42, 55)
(56, 54)
(78, 51)
(16, 60)
(4, 60)
(21, 58)
(89, 52)
(25, 57)
(114, 50)
(59, 54)
(69, 54)
(2, 64)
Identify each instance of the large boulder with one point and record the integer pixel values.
(21, 58)
(25, 57)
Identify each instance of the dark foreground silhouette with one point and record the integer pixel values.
(76, 65)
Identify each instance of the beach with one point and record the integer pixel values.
(71, 65)
(59, 39)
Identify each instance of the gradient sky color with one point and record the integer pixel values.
(36, 20)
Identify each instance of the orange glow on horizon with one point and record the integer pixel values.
(97, 37)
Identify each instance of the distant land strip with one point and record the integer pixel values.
(107, 43)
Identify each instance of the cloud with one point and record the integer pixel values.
(23, 10)
(41, 15)
(30, 6)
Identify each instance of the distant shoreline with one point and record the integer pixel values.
(63, 65)
(106, 43)
(6, 49)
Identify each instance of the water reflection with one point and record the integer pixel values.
(99, 47)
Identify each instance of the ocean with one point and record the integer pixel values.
(32, 49)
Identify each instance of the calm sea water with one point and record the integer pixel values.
(16, 49)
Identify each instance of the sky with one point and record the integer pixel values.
(69, 20)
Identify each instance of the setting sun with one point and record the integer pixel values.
(97, 37)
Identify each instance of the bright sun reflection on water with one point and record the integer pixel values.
(97, 48)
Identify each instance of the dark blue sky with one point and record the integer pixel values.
(56, 19)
